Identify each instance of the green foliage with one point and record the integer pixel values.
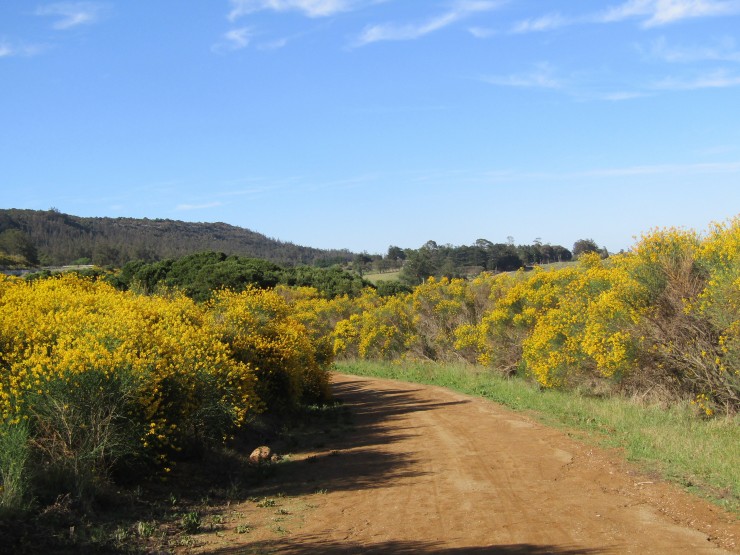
(199, 275)
(583, 246)
(14, 454)
(82, 427)
(391, 288)
(190, 522)
(330, 282)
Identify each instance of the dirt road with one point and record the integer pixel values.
(427, 470)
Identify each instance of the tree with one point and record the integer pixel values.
(561, 254)
(395, 254)
(360, 262)
(14, 241)
(418, 267)
(583, 246)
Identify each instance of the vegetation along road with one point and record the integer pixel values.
(428, 470)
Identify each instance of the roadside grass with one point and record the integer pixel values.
(702, 455)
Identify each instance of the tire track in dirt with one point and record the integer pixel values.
(428, 470)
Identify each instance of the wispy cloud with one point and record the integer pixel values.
(723, 50)
(274, 44)
(650, 13)
(544, 23)
(660, 169)
(646, 170)
(185, 207)
(72, 14)
(719, 150)
(482, 32)
(395, 32)
(8, 50)
(662, 12)
(310, 8)
(234, 39)
(718, 79)
(542, 77)
(620, 96)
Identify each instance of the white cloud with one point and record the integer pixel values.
(614, 172)
(652, 13)
(719, 79)
(311, 8)
(662, 12)
(482, 32)
(234, 39)
(394, 32)
(8, 50)
(541, 78)
(238, 38)
(544, 23)
(721, 51)
(72, 14)
(660, 169)
(274, 44)
(623, 95)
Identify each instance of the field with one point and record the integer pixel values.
(382, 276)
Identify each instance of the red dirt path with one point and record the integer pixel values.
(430, 471)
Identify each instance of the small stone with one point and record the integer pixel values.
(260, 455)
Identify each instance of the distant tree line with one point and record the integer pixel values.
(450, 261)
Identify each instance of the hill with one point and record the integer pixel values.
(50, 237)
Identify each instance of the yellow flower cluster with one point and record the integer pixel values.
(374, 328)
(264, 332)
(184, 370)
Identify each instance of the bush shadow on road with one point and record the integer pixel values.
(306, 546)
(354, 451)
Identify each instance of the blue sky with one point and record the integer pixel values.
(364, 123)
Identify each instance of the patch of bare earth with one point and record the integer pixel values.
(427, 470)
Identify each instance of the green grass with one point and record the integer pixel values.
(382, 276)
(700, 455)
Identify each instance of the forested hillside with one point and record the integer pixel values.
(51, 238)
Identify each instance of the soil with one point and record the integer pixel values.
(430, 471)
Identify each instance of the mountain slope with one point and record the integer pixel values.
(62, 238)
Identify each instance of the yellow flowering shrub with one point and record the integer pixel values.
(585, 332)
(691, 328)
(380, 328)
(262, 331)
(80, 354)
(439, 308)
(514, 303)
(321, 315)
